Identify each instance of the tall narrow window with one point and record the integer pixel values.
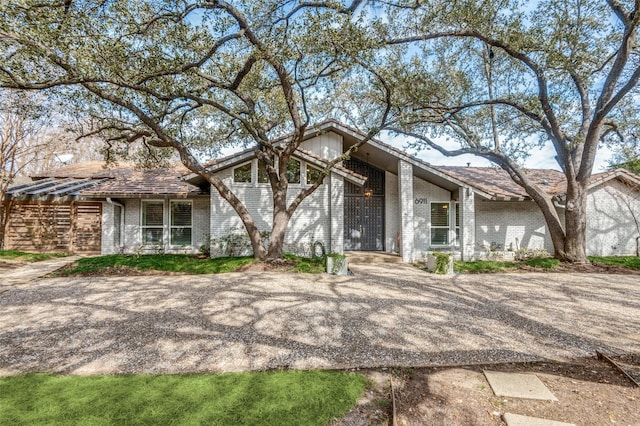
(293, 171)
(152, 222)
(242, 174)
(181, 223)
(263, 175)
(313, 174)
(439, 224)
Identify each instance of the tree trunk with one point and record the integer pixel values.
(280, 223)
(575, 250)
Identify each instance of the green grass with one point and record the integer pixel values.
(182, 263)
(156, 262)
(258, 398)
(629, 262)
(542, 262)
(21, 256)
(493, 266)
(307, 265)
(483, 266)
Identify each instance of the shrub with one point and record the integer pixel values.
(442, 263)
(528, 253)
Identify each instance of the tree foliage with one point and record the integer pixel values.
(193, 77)
(499, 78)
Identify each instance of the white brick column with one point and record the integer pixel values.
(336, 211)
(405, 200)
(467, 223)
(108, 228)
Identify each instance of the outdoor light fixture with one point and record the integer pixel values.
(368, 192)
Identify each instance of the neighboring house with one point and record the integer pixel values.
(382, 199)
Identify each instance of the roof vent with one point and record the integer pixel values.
(468, 164)
(544, 182)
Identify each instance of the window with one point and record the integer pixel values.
(439, 224)
(313, 174)
(293, 171)
(152, 222)
(181, 223)
(263, 176)
(242, 174)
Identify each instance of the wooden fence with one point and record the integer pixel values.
(54, 227)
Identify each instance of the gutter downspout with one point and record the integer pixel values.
(110, 201)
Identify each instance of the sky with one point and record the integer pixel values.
(539, 159)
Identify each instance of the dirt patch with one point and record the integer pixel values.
(8, 265)
(589, 392)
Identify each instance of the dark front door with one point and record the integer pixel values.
(364, 215)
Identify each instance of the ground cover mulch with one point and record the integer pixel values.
(589, 392)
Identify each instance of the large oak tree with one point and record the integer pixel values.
(192, 75)
(500, 78)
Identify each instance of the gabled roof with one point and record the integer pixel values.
(95, 179)
(621, 174)
(60, 187)
(122, 181)
(496, 181)
(498, 184)
(302, 154)
(146, 183)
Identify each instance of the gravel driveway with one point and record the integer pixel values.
(393, 315)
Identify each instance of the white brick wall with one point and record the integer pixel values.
(467, 199)
(425, 193)
(311, 221)
(133, 232)
(107, 243)
(336, 188)
(516, 224)
(611, 228)
(405, 198)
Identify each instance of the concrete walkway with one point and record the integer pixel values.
(390, 315)
(32, 271)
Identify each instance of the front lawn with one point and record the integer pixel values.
(119, 264)
(629, 262)
(608, 264)
(24, 257)
(181, 263)
(307, 265)
(257, 398)
(493, 266)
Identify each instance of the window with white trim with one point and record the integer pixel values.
(293, 171)
(439, 223)
(313, 174)
(181, 222)
(242, 174)
(263, 174)
(152, 222)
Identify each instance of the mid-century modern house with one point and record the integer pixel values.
(382, 199)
